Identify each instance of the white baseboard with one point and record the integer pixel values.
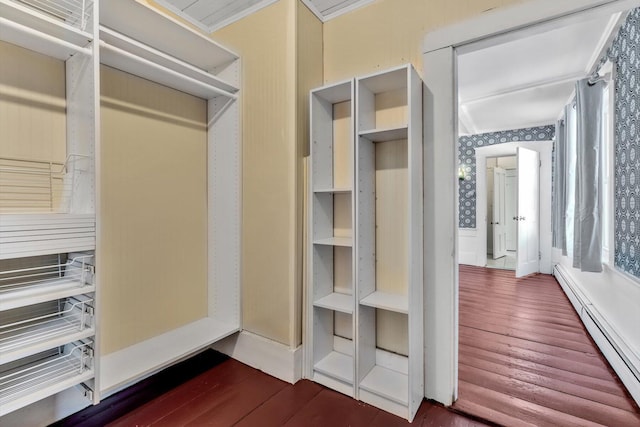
(621, 358)
(269, 356)
(467, 246)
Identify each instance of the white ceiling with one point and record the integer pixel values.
(527, 79)
(211, 15)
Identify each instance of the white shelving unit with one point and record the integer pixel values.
(49, 266)
(389, 236)
(383, 246)
(48, 291)
(144, 42)
(331, 299)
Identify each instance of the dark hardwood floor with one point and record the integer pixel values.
(233, 394)
(525, 358)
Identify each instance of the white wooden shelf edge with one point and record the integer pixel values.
(337, 302)
(124, 367)
(141, 50)
(156, 29)
(336, 365)
(335, 241)
(387, 301)
(332, 190)
(55, 289)
(388, 134)
(387, 383)
(126, 61)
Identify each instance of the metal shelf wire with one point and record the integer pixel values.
(44, 373)
(73, 12)
(28, 185)
(34, 285)
(30, 330)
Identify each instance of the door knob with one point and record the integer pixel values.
(515, 218)
(522, 218)
(497, 223)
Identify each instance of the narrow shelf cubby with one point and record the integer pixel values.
(331, 300)
(332, 358)
(388, 236)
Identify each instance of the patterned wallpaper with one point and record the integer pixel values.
(467, 158)
(625, 55)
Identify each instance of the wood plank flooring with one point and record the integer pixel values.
(233, 394)
(525, 358)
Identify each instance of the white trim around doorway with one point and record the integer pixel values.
(440, 166)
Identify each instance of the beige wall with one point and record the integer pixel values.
(285, 52)
(32, 105)
(266, 42)
(390, 32)
(154, 209)
(384, 34)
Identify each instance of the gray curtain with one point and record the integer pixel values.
(587, 239)
(559, 187)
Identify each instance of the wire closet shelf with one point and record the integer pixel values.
(45, 322)
(37, 185)
(45, 369)
(76, 272)
(75, 13)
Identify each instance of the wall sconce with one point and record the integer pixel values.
(461, 173)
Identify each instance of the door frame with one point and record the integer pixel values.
(440, 165)
(502, 215)
(545, 149)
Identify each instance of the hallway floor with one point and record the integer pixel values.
(525, 358)
(507, 262)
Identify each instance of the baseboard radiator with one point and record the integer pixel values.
(621, 358)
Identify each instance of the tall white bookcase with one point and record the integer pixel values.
(380, 360)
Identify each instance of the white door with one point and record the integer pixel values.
(511, 204)
(528, 212)
(499, 214)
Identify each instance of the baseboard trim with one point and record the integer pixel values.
(611, 344)
(268, 356)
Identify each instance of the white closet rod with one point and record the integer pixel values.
(163, 69)
(30, 31)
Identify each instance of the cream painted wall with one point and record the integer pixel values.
(32, 105)
(154, 209)
(381, 35)
(280, 47)
(390, 32)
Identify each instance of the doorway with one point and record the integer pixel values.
(440, 49)
(533, 237)
(502, 198)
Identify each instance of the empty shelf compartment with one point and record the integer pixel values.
(337, 302)
(388, 134)
(335, 241)
(332, 190)
(28, 286)
(29, 330)
(387, 301)
(387, 383)
(336, 365)
(34, 378)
